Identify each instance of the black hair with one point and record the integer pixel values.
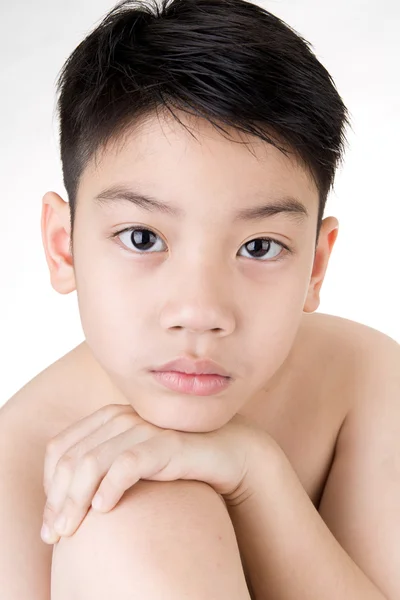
(228, 61)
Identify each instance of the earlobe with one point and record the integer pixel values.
(328, 235)
(56, 230)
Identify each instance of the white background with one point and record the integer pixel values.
(356, 40)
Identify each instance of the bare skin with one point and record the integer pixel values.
(323, 387)
(302, 410)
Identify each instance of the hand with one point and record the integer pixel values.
(106, 453)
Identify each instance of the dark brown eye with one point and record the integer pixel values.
(140, 238)
(260, 248)
(142, 241)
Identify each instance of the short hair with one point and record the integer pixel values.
(230, 62)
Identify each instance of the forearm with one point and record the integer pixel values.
(287, 548)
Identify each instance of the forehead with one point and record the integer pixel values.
(162, 155)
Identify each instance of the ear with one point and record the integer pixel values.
(56, 230)
(328, 234)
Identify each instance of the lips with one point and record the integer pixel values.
(193, 367)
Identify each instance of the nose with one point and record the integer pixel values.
(194, 319)
(199, 302)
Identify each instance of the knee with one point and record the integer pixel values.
(160, 535)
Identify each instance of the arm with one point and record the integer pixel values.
(352, 548)
(25, 561)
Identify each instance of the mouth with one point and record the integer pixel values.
(188, 366)
(193, 383)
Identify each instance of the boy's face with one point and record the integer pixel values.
(193, 284)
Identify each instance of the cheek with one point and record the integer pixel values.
(276, 318)
(112, 318)
(272, 337)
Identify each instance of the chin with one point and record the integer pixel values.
(191, 421)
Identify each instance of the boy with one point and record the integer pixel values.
(147, 170)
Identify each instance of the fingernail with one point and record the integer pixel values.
(97, 501)
(60, 524)
(45, 534)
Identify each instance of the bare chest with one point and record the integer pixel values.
(304, 417)
(307, 433)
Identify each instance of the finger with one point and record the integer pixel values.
(79, 472)
(70, 519)
(119, 423)
(56, 496)
(146, 460)
(73, 434)
(75, 492)
(169, 456)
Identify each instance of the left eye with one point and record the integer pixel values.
(143, 239)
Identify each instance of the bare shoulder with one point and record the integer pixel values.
(25, 561)
(349, 344)
(374, 358)
(27, 421)
(330, 323)
(362, 494)
(363, 361)
(64, 392)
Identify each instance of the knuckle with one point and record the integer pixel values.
(71, 504)
(52, 446)
(124, 420)
(127, 460)
(112, 410)
(49, 512)
(126, 465)
(143, 431)
(65, 463)
(89, 463)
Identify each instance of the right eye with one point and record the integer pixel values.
(140, 237)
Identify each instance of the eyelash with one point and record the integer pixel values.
(280, 256)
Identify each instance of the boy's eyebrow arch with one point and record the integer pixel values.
(289, 206)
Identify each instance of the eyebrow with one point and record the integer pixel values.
(289, 206)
